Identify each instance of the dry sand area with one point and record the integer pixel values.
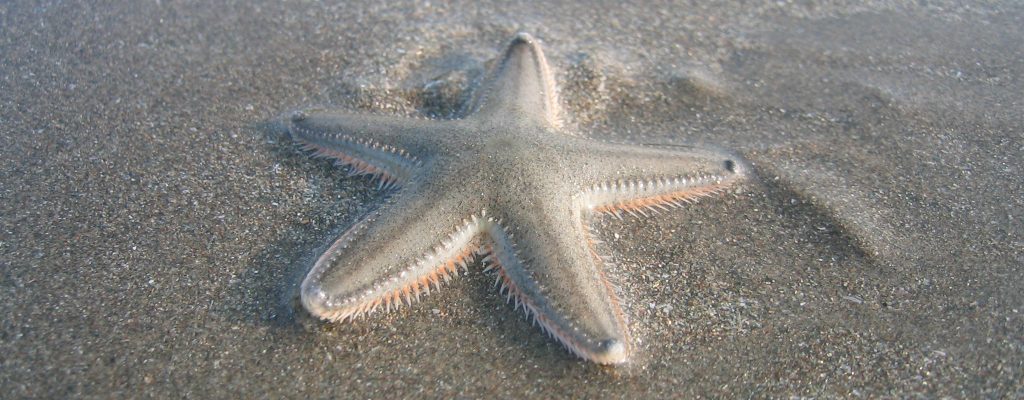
(155, 222)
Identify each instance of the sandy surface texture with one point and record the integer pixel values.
(155, 223)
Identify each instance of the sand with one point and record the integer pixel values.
(154, 222)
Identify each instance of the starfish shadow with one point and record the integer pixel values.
(267, 292)
(533, 244)
(716, 287)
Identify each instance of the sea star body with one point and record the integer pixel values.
(506, 182)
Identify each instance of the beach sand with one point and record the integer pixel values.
(155, 223)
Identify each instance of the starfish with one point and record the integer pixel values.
(508, 183)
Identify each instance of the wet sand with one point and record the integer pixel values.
(155, 224)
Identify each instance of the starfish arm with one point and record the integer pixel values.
(525, 84)
(404, 249)
(546, 265)
(377, 145)
(642, 179)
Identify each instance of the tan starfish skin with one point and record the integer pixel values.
(507, 183)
